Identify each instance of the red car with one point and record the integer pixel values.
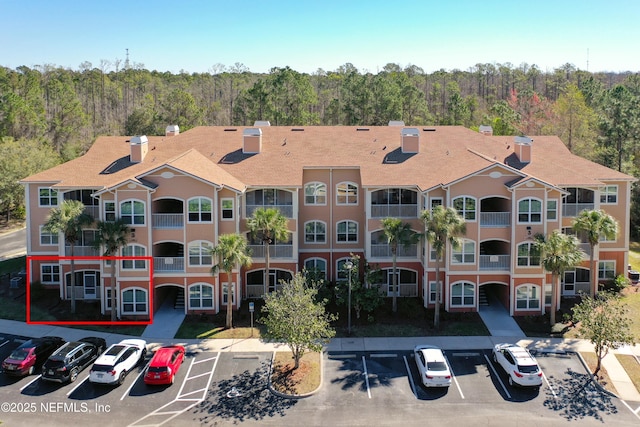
(164, 365)
(29, 357)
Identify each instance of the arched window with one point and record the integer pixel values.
(200, 253)
(201, 296)
(315, 193)
(347, 231)
(134, 301)
(200, 209)
(530, 210)
(465, 253)
(347, 193)
(315, 232)
(134, 251)
(463, 295)
(528, 297)
(132, 212)
(466, 207)
(528, 255)
(317, 267)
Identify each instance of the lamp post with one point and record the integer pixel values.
(349, 265)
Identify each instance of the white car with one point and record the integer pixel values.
(519, 364)
(117, 361)
(432, 366)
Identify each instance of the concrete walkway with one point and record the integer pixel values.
(166, 321)
(498, 321)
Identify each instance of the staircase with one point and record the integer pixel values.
(179, 301)
(482, 297)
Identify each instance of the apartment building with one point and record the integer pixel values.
(335, 184)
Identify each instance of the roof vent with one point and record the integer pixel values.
(396, 122)
(252, 140)
(410, 140)
(172, 130)
(485, 130)
(258, 123)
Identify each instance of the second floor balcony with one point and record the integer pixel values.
(275, 251)
(495, 219)
(168, 264)
(167, 220)
(495, 262)
(169, 213)
(384, 251)
(81, 250)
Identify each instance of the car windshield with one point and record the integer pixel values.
(102, 368)
(436, 366)
(19, 354)
(528, 369)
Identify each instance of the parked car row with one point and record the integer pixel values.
(61, 361)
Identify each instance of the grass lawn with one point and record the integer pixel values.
(303, 380)
(603, 378)
(632, 366)
(13, 265)
(201, 330)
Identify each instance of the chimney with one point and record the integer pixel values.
(485, 130)
(252, 140)
(522, 148)
(139, 148)
(410, 140)
(172, 130)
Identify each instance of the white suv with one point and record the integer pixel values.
(118, 360)
(519, 364)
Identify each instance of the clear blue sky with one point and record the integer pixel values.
(307, 35)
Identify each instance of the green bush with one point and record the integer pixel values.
(410, 308)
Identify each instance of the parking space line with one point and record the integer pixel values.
(366, 376)
(413, 385)
(181, 397)
(30, 382)
(197, 376)
(497, 376)
(136, 380)
(77, 385)
(203, 360)
(454, 378)
(632, 411)
(555, 396)
(6, 342)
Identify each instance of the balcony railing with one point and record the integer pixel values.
(394, 211)
(167, 220)
(275, 251)
(286, 210)
(495, 219)
(165, 264)
(573, 209)
(81, 251)
(92, 211)
(384, 251)
(406, 290)
(80, 294)
(495, 262)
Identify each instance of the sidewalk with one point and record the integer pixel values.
(625, 388)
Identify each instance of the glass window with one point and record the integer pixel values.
(347, 231)
(547, 294)
(465, 253)
(110, 211)
(200, 210)
(50, 273)
(609, 195)
(463, 294)
(132, 212)
(48, 239)
(227, 209)
(48, 197)
(528, 297)
(316, 266)
(201, 296)
(466, 207)
(134, 251)
(530, 210)
(606, 270)
(315, 193)
(134, 301)
(528, 255)
(315, 232)
(347, 193)
(225, 289)
(200, 253)
(432, 292)
(552, 210)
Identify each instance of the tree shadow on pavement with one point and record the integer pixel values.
(242, 398)
(578, 397)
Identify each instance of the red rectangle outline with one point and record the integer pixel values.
(86, 258)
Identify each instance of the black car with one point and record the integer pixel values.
(68, 361)
(30, 355)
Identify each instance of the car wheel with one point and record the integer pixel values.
(122, 376)
(73, 375)
(32, 369)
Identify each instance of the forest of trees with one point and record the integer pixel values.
(55, 113)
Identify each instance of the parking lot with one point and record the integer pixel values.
(359, 388)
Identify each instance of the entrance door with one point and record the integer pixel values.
(569, 285)
(89, 285)
(390, 290)
(272, 281)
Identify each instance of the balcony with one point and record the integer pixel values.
(495, 262)
(92, 211)
(81, 251)
(394, 211)
(275, 251)
(495, 219)
(573, 209)
(285, 210)
(167, 220)
(384, 251)
(168, 264)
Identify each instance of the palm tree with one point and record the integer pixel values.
(558, 253)
(232, 250)
(113, 235)
(596, 224)
(442, 225)
(69, 219)
(268, 224)
(397, 233)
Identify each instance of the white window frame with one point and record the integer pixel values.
(531, 246)
(315, 233)
(315, 262)
(464, 211)
(315, 187)
(435, 201)
(607, 192)
(199, 211)
(135, 302)
(51, 197)
(204, 248)
(463, 294)
(529, 212)
(107, 300)
(548, 289)
(553, 218)
(50, 236)
(347, 222)
(133, 213)
(432, 292)
(200, 297)
(135, 264)
(225, 285)
(110, 215)
(532, 294)
(53, 273)
(463, 251)
(350, 190)
(605, 266)
(224, 209)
